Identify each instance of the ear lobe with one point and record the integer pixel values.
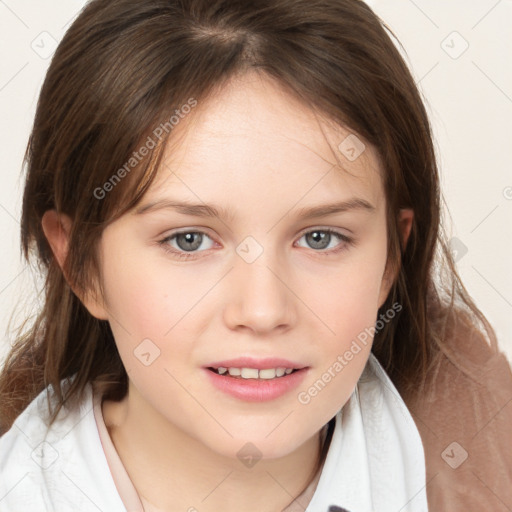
(57, 228)
(95, 306)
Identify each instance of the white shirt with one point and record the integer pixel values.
(375, 461)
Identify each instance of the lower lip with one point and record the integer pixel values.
(257, 390)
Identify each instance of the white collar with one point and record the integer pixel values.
(375, 460)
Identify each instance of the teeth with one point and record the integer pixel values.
(249, 373)
(254, 373)
(270, 373)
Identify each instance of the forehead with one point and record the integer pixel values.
(253, 135)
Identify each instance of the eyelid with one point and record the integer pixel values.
(323, 228)
(206, 231)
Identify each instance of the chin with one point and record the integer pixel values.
(248, 450)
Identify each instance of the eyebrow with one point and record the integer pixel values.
(209, 210)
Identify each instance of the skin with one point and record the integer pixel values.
(258, 152)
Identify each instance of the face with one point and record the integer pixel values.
(184, 290)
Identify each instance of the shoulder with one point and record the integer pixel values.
(464, 419)
(58, 467)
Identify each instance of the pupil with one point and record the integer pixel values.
(318, 239)
(188, 238)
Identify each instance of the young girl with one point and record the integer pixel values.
(249, 304)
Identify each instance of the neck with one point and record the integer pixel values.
(173, 471)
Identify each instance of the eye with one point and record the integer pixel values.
(187, 242)
(321, 239)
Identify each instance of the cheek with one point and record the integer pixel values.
(348, 301)
(347, 305)
(348, 318)
(150, 310)
(147, 296)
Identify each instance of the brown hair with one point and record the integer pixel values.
(122, 69)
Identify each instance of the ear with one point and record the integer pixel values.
(57, 228)
(405, 218)
(404, 221)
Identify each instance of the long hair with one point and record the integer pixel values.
(122, 70)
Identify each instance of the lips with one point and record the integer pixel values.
(256, 390)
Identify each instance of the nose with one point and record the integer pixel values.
(259, 298)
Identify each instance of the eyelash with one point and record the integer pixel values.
(192, 255)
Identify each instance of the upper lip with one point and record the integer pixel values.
(260, 364)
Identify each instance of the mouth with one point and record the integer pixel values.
(253, 385)
(254, 373)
